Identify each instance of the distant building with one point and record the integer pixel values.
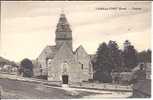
(60, 62)
(9, 69)
(148, 70)
(135, 73)
(142, 86)
(121, 77)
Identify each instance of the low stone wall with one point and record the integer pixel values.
(97, 86)
(9, 73)
(15, 77)
(103, 86)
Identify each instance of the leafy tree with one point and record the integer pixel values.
(4, 61)
(116, 56)
(144, 56)
(130, 57)
(110, 58)
(103, 64)
(26, 67)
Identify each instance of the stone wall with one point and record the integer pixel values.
(75, 71)
(84, 59)
(64, 55)
(103, 86)
(42, 60)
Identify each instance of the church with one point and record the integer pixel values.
(60, 63)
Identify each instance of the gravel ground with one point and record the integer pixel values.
(13, 89)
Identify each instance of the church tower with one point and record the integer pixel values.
(63, 32)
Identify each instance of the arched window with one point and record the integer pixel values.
(82, 66)
(65, 68)
(41, 70)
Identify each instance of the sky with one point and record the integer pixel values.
(28, 27)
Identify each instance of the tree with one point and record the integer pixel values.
(26, 67)
(144, 56)
(130, 57)
(116, 56)
(102, 64)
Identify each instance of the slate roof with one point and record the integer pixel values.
(63, 24)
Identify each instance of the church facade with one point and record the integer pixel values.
(60, 63)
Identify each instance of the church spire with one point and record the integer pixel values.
(63, 32)
(63, 24)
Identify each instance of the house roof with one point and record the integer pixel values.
(147, 67)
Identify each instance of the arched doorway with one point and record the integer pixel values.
(65, 77)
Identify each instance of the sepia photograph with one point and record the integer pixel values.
(75, 49)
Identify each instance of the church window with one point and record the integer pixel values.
(82, 66)
(41, 70)
(65, 68)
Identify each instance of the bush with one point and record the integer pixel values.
(26, 68)
(103, 77)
